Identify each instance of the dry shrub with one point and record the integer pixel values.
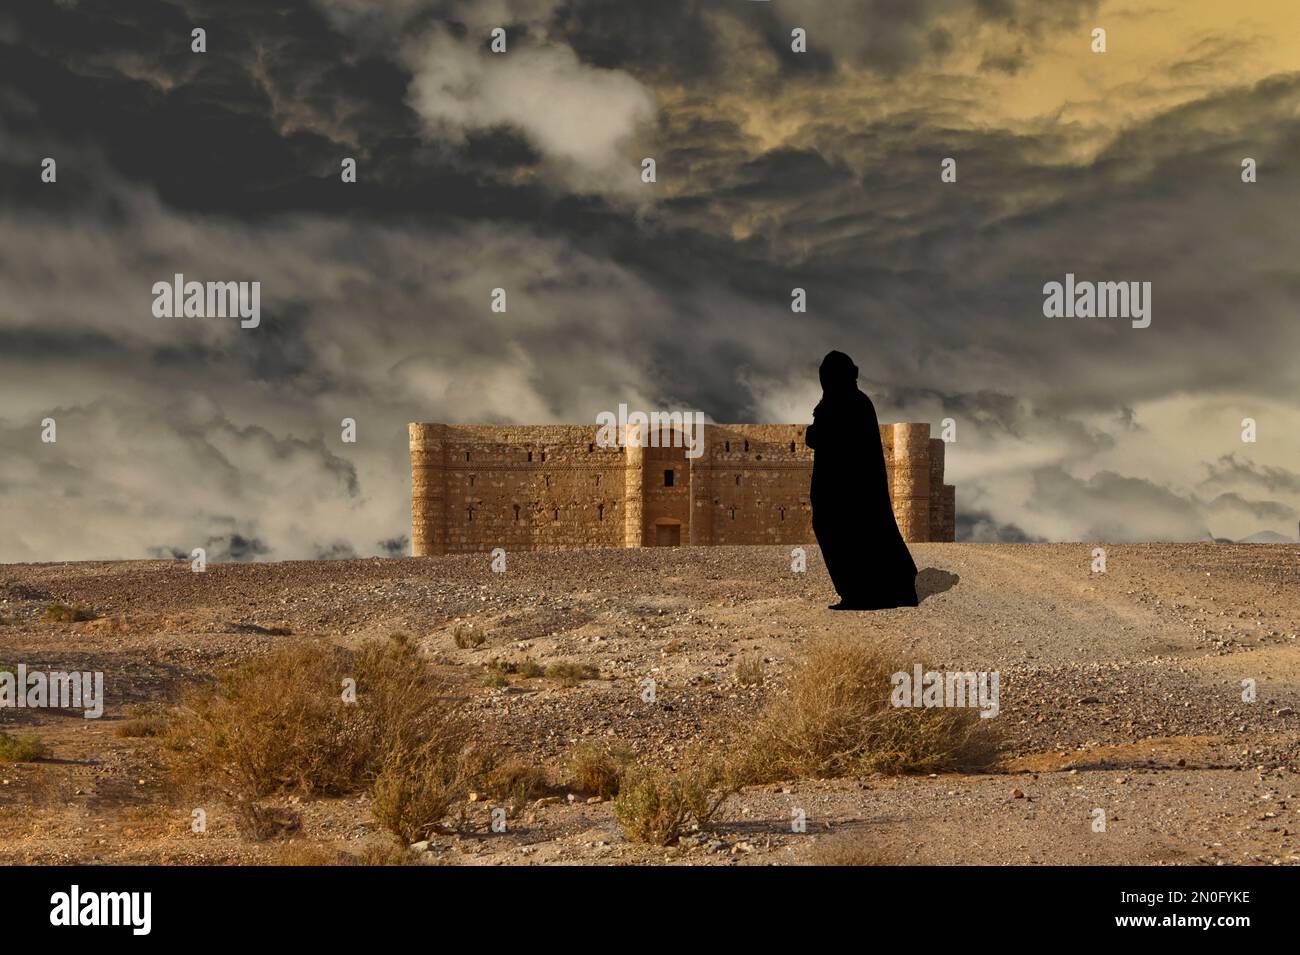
(143, 723)
(846, 850)
(63, 613)
(467, 638)
(749, 670)
(415, 790)
(597, 770)
(657, 806)
(301, 853)
(497, 672)
(259, 822)
(21, 749)
(279, 725)
(569, 673)
(517, 782)
(528, 668)
(836, 720)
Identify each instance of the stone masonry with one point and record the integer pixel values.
(543, 487)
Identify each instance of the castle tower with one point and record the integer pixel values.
(633, 496)
(428, 490)
(911, 481)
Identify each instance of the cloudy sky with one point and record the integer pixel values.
(522, 171)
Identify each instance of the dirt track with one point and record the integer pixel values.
(1119, 691)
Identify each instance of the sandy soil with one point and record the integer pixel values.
(1119, 691)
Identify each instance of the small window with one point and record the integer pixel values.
(466, 455)
(746, 445)
(555, 513)
(668, 478)
(792, 447)
(727, 445)
(600, 512)
(470, 512)
(471, 479)
(516, 513)
(737, 480)
(782, 510)
(543, 455)
(590, 448)
(733, 513)
(530, 455)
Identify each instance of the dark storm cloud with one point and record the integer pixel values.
(226, 166)
(979, 527)
(1230, 470)
(672, 36)
(1265, 511)
(1114, 507)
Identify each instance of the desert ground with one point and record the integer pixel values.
(1120, 691)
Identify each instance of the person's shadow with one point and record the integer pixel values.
(933, 581)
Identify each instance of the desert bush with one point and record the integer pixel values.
(273, 725)
(279, 725)
(836, 720)
(21, 749)
(260, 822)
(749, 670)
(414, 791)
(657, 806)
(516, 782)
(143, 721)
(568, 673)
(142, 726)
(62, 613)
(301, 853)
(528, 668)
(597, 770)
(467, 637)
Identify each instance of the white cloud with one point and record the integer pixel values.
(582, 119)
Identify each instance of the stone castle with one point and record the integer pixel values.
(478, 487)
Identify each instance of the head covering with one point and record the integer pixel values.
(837, 372)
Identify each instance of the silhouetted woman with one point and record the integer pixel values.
(852, 517)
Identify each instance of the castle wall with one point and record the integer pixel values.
(757, 479)
(476, 487)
